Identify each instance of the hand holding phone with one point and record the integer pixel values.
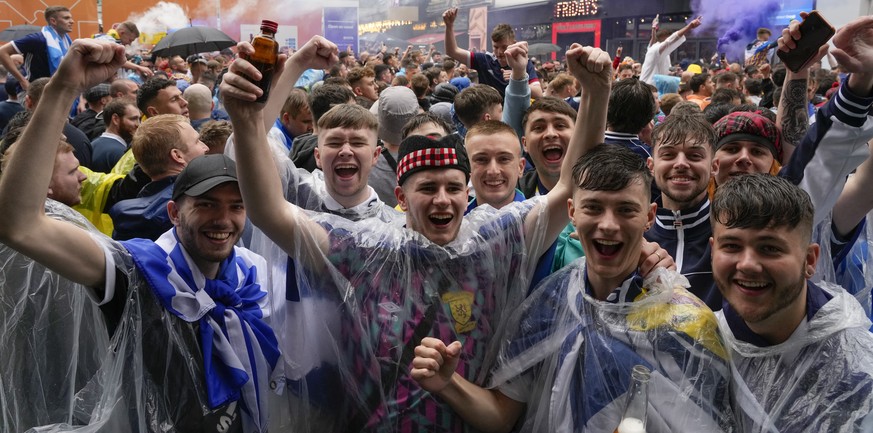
(801, 43)
(619, 51)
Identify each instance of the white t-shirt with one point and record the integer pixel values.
(657, 62)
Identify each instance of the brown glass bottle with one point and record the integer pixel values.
(265, 56)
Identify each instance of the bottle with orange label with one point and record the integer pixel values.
(634, 418)
(265, 56)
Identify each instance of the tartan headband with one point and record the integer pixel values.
(419, 153)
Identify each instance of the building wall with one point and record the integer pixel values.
(17, 12)
(838, 13)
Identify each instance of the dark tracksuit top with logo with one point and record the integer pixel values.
(685, 235)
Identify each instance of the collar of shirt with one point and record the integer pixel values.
(541, 189)
(474, 204)
(695, 216)
(288, 137)
(333, 206)
(630, 289)
(815, 299)
(621, 136)
(118, 138)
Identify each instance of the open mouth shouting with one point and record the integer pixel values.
(441, 220)
(553, 153)
(607, 248)
(346, 171)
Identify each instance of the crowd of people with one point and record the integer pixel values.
(425, 241)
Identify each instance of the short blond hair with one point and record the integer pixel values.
(153, 141)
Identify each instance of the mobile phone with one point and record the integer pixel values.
(815, 31)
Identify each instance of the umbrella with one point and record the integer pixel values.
(192, 40)
(542, 49)
(17, 32)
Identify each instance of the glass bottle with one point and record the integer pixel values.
(265, 56)
(634, 418)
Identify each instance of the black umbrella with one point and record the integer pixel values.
(17, 32)
(192, 40)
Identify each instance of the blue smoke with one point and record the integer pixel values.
(736, 21)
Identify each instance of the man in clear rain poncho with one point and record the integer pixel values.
(51, 330)
(192, 349)
(568, 354)
(802, 350)
(312, 313)
(441, 274)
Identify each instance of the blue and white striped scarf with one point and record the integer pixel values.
(240, 350)
(56, 47)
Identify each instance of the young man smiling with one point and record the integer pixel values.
(496, 164)
(802, 350)
(436, 275)
(193, 298)
(681, 163)
(576, 338)
(493, 68)
(548, 125)
(833, 146)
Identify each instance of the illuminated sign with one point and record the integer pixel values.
(576, 8)
(380, 26)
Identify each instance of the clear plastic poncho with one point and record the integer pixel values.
(371, 299)
(309, 323)
(53, 337)
(852, 267)
(570, 357)
(820, 380)
(152, 376)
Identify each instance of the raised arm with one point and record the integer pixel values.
(516, 101)
(452, 49)
(6, 52)
(593, 68)
(668, 45)
(656, 25)
(854, 52)
(62, 247)
(837, 143)
(485, 409)
(792, 115)
(283, 81)
(855, 201)
(142, 70)
(258, 180)
(406, 53)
